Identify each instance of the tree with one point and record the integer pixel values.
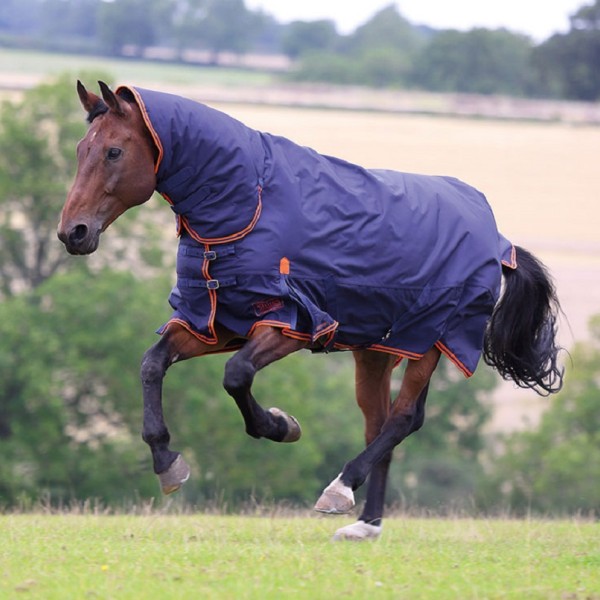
(217, 25)
(386, 29)
(20, 17)
(385, 48)
(38, 136)
(379, 53)
(302, 37)
(567, 64)
(556, 467)
(117, 28)
(479, 61)
(69, 408)
(47, 395)
(587, 18)
(71, 411)
(70, 18)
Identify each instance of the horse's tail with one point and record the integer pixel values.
(520, 339)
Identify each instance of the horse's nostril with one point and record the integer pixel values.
(78, 234)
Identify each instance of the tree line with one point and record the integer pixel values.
(73, 330)
(387, 50)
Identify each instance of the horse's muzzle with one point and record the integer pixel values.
(79, 239)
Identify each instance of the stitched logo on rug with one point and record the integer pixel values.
(266, 306)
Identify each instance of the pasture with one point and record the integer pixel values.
(203, 556)
(24, 68)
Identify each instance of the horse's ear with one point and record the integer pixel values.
(112, 100)
(88, 100)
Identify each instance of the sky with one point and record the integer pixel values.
(537, 18)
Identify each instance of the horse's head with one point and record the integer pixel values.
(115, 169)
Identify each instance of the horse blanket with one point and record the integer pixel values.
(272, 233)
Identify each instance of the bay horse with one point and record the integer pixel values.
(282, 248)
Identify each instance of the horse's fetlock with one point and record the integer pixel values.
(157, 438)
(353, 475)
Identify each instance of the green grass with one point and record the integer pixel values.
(202, 556)
(43, 65)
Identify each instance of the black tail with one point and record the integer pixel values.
(520, 339)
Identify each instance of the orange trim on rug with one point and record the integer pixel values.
(147, 121)
(453, 358)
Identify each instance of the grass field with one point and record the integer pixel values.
(180, 557)
(31, 65)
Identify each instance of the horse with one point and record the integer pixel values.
(282, 249)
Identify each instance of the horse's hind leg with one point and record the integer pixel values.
(406, 416)
(369, 523)
(264, 346)
(175, 344)
(372, 378)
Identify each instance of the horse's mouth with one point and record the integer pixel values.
(82, 250)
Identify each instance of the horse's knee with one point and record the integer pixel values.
(238, 375)
(153, 366)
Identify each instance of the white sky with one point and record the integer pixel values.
(536, 18)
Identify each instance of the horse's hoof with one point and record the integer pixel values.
(293, 427)
(336, 499)
(357, 532)
(175, 476)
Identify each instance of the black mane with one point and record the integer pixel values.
(98, 110)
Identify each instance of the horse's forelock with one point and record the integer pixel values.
(98, 110)
(101, 107)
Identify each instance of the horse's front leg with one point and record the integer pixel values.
(176, 344)
(406, 416)
(265, 345)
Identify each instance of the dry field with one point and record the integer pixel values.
(542, 180)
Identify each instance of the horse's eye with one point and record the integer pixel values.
(113, 153)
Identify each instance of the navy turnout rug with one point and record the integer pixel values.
(273, 233)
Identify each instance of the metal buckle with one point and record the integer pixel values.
(210, 255)
(212, 284)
